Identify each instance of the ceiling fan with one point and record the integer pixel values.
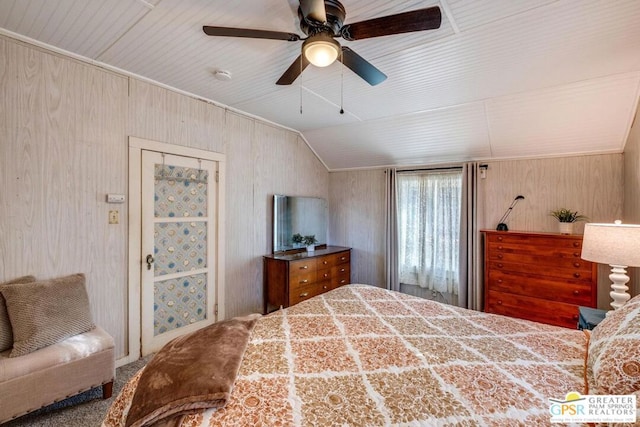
(322, 22)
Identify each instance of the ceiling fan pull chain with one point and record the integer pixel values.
(341, 81)
(300, 85)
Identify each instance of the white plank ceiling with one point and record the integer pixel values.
(500, 78)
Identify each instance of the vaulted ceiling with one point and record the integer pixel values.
(499, 79)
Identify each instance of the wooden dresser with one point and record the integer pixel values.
(537, 276)
(291, 278)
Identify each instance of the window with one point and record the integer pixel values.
(429, 206)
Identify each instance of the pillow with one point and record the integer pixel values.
(614, 352)
(46, 312)
(6, 336)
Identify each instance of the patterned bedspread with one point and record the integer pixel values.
(361, 355)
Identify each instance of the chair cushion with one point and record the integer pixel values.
(6, 336)
(73, 348)
(46, 312)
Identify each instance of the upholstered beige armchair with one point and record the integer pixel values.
(50, 349)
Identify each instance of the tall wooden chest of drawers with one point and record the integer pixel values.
(291, 278)
(537, 276)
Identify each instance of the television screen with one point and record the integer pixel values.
(306, 216)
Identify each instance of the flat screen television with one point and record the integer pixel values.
(298, 215)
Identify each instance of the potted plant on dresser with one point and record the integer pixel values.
(309, 242)
(297, 240)
(566, 218)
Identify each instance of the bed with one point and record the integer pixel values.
(360, 355)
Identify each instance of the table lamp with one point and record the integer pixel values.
(502, 226)
(615, 244)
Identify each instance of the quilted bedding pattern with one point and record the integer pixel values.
(361, 355)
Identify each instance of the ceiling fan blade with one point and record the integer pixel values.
(248, 33)
(293, 71)
(314, 10)
(361, 67)
(406, 22)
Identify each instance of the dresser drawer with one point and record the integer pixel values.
(327, 261)
(542, 270)
(572, 292)
(302, 267)
(342, 258)
(341, 279)
(302, 279)
(340, 269)
(533, 249)
(530, 308)
(536, 242)
(324, 274)
(552, 258)
(306, 292)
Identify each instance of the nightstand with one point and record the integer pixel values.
(590, 317)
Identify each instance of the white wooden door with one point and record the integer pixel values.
(178, 277)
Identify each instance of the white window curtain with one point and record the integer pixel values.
(428, 221)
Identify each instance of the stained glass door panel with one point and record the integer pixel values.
(178, 281)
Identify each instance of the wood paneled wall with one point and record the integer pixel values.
(631, 212)
(590, 184)
(64, 134)
(357, 205)
(63, 148)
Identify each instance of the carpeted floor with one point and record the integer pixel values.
(84, 410)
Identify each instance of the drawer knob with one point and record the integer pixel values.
(575, 317)
(342, 258)
(500, 238)
(304, 281)
(576, 275)
(500, 281)
(576, 264)
(576, 293)
(500, 247)
(576, 254)
(325, 262)
(306, 294)
(325, 275)
(324, 287)
(342, 270)
(576, 244)
(499, 302)
(304, 267)
(500, 256)
(343, 281)
(500, 265)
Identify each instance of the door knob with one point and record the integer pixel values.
(149, 261)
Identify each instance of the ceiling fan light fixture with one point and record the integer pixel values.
(321, 50)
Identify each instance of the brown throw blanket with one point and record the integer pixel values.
(192, 372)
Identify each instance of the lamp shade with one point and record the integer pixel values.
(613, 244)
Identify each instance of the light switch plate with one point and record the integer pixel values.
(114, 217)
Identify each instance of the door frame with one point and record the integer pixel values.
(135, 261)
